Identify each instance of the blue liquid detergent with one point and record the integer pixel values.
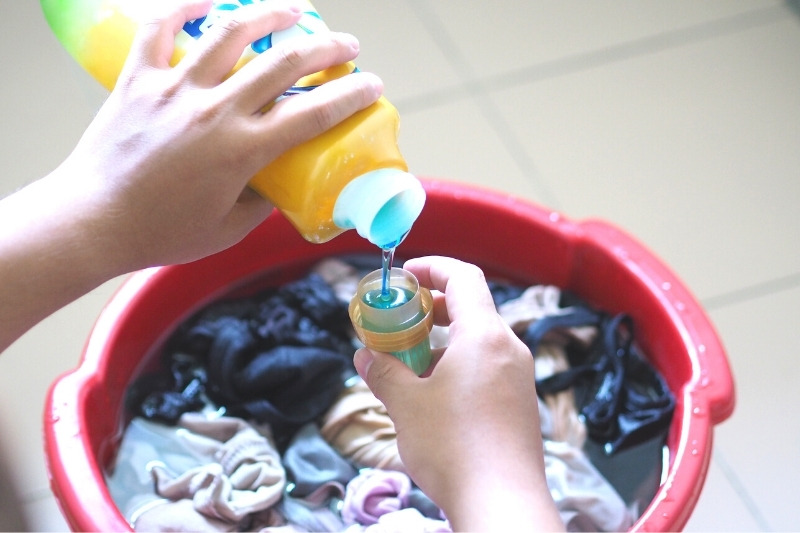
(387, 257)
(387, 297)
(394, 297)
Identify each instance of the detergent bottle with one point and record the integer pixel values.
(351, 177)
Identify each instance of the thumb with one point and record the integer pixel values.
(385, 375)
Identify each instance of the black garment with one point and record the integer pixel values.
(503, 291)
(280, 357)
(622, 398)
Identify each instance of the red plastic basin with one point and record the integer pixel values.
(84, 418)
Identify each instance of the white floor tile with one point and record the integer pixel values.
(720, 508)
(692, 150)
(43, 514)
(394, 45)
(455, 142)
(760, 441)
(505, 36)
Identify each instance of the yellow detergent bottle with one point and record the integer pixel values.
(350, 177)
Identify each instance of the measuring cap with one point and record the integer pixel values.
(402, 330)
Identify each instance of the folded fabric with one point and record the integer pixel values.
(403, 521)
(374, 493)
(164, 397)
(129, 480)
(279, 357)
(565, 423)
(533, 303)
(341, 277)
(359, 428)
(178, 515)
(245, 477)
(584, 498)
(623, 400)
(310, 514)
(311, 463)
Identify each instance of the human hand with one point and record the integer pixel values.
(160, 176)
(468, 433)
(161, 172)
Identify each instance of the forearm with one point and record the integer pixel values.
(495, 503)
(51, 252)
(502, 488)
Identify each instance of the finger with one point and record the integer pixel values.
(219, 49)
(299, 118)
(440, 315)
(249, 211)
(466, 293)
(436, 355)
(154, 42)
(386, 376)
(266, 77)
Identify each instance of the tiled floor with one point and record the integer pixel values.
(678, 121)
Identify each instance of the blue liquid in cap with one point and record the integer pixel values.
(387, 297)
(394, 297)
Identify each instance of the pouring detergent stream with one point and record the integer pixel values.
(350, 177)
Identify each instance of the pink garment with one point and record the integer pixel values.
(359, 428)
(247, 476)
(180, 515)
(403, 521)
(584, 498)
(373, 494)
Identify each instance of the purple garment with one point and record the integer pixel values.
(402, 521)
(374, 493)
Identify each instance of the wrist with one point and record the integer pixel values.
(501, 491)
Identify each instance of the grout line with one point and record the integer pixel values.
(741, 491)
(642, 46)
(590, 59)
(477, 91)
(751, 292)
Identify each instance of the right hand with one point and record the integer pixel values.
(166, 162)
(468, 430)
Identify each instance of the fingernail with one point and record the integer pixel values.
(350, 40)
(362, 360)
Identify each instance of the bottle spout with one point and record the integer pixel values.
(380, 205)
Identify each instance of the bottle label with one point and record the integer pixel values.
(310, 22)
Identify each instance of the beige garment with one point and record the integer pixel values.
(359, 428)
(584, 498)
(537, 302)
(245, 477)
(534, 303)
(566, 424)
(340, 276)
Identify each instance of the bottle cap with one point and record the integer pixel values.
(381, 205)
(396, 329)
